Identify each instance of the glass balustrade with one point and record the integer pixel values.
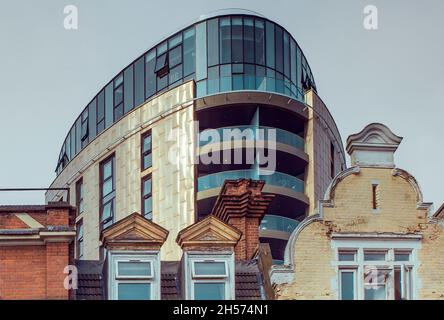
(278, 179)
(278, 223)
(248, 133)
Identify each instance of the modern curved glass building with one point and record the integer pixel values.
(232, 69)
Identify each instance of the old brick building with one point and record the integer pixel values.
(373, 236)
(36, 244)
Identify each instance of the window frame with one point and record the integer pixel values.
(79, 239)
(80, 201)
(111, 195)
(355, 282)
(390, 247)
(148, 152)
(191, 278)
(146, 196)
(153, 257)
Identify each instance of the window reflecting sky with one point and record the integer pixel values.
(393, 75)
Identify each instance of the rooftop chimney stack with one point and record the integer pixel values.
(242, 205)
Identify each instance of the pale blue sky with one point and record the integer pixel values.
(393, 75)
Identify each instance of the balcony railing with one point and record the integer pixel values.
(250, 82)
(278, 179)
(251, 132)
(278, 223)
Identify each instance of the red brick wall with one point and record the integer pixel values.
(249, 241)
(23, 272)
(35, 271)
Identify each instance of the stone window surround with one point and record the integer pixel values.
(146, 256)
(191, 257)
(359, 243)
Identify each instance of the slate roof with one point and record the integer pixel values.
(91, 286)
(90, 280)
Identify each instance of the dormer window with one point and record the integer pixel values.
(210, 276)
(134, 276)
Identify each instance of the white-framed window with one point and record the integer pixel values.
(376, 269)
(210, 276)
(134, 276)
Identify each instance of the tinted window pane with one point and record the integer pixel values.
(374, 256)
(129, 89)
(347, 286)
(298, 68)
(161, 48)
(73, 141)
(134, 268)
(188, 51)
(225, 40)
(174, 41)
(109, 106)
(150, 66)
(225, 77)
(107, 187)
(213, 42)
(92, 119)
(279, 50)
(249, 40)
(201, 88)
(209, 268)
(139, 81)
(286, 55)
(249, 79)
(213, 80)
(118, 95)
(147, 143)
(147, 187)
(162, 82)
(175, 74)
(148, 207)
(107, 211)
(270, 45)
(201, 51)
(101, 106)
(402, 256)
(107, 169)
(78, 134)
(134, 291)
(293, 61)
(147, 161)
(175, 56)
(209, 291)
(236, 40)
(346, 256)
(259, 37)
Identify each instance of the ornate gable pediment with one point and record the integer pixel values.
(133, 231)
(209, 232)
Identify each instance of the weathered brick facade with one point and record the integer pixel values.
(35, 248)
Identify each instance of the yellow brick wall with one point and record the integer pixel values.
(312, 266)
(353, 212)
(173, 209)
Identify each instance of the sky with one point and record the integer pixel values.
(393, 75)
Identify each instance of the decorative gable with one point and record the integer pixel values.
(209, 232)
(134, 233)
(375, 145)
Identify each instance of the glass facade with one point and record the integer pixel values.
(224, 53)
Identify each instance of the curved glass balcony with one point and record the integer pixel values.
(278, 179)
(278, 223)
(249, 82)
(251, 132)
